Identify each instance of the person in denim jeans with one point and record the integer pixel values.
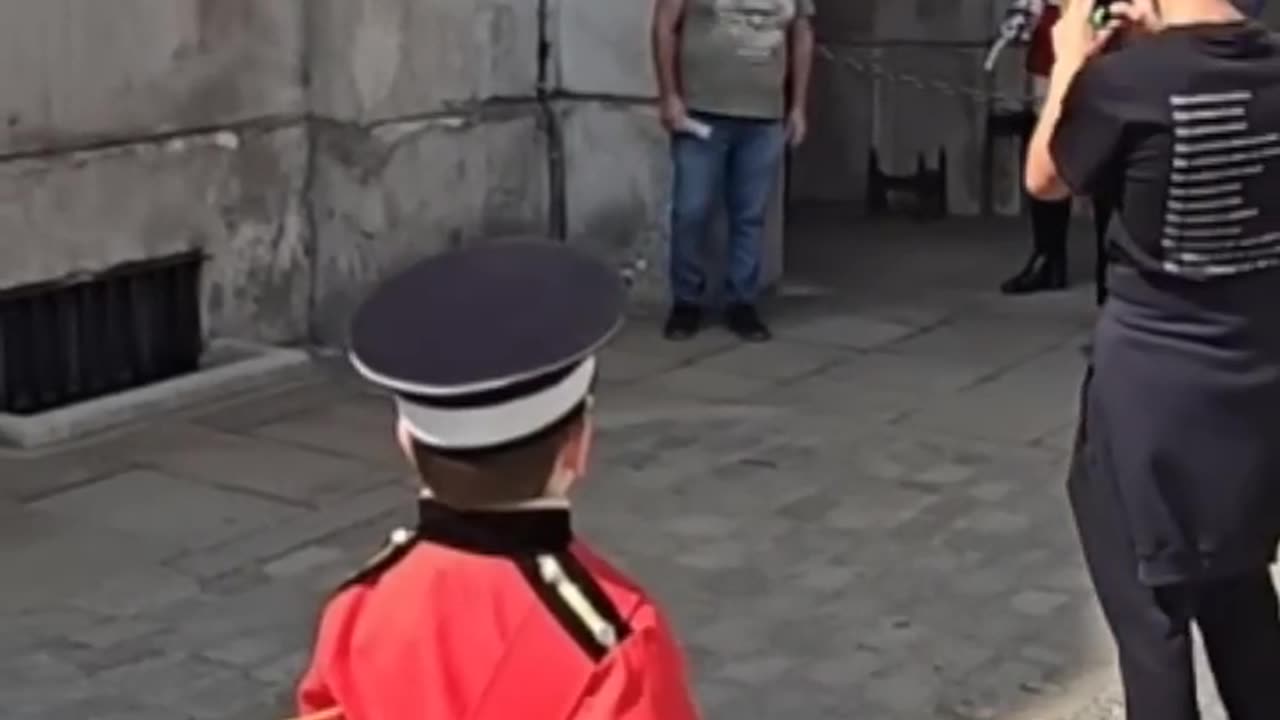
(733, 76)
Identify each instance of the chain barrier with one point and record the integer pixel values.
(877, 70)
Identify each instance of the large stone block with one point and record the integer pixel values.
(617, 188)
(386, 196)
(618, 181)
(236, 197)
(84, 71)
(385, 59)
(602, 47)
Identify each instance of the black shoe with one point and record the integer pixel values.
(1040, 274)
(745, 322)
(683, 323)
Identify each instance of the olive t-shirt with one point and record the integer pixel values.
(734, 55)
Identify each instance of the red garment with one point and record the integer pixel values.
(1040, 50)
(444, 633)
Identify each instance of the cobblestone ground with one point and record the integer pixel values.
(864, 519)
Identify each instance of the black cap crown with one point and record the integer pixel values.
(488, 345)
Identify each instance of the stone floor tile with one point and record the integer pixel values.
(773, 361)
(257, 465)
(361, 429)
(846, 331)
(864, 519)
(156, 505)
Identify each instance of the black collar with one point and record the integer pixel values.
(495, 532)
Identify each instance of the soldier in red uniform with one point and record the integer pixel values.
(491, 608)
(1031, 22)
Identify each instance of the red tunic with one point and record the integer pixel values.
(1040, 50)
(434, 631)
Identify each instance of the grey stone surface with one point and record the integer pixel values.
(387, 60)
(602, 47)
(421, 119)
(175, 512)
(82, 72)
(821, 555)
(391, 194)
(231, 368)
(618, 174)
(235, 196)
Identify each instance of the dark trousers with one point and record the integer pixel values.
(1238, 617)
(1102, 212)
(1050, 224)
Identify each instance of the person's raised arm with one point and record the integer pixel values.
(1042, 177)
(1075, 42)
(667, 15)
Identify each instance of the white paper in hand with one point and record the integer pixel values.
(696, 128)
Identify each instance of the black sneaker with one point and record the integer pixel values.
(683, 323)
(745, 322)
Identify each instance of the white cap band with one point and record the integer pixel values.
(470, 428)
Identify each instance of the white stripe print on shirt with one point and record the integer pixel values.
(1217, 157)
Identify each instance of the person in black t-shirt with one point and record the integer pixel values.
(1175, 483)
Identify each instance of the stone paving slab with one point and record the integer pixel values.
(863, 520)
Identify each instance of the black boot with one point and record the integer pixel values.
(1042, 272)
(1047, 267)
(683, 323)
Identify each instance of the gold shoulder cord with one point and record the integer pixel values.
(553, 574)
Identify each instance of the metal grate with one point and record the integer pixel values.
(62, 343)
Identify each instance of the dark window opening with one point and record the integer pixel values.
(66, 342)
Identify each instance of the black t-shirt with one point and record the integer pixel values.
(1182, 132)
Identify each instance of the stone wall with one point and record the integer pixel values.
(311, 147)
(428, 135)
(138, 128)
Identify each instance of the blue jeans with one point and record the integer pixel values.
(739, 163)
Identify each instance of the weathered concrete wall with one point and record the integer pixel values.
(377, 60)
(617, 172)
(83, 71)
(308, 147)
(387, 195)
(237, 197)
(429, 137)
(138, 128)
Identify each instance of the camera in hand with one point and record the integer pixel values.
(1101, 14)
